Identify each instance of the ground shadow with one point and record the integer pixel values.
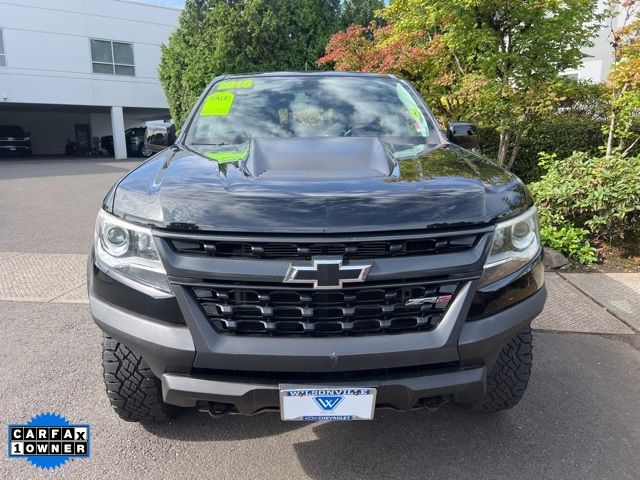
(578, 420)
(192, 425)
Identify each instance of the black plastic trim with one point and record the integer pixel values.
(401, 392)
(111, 291)
(508, 291)
(165, 347)
(483, 338)
(325, 237)
(191, 269)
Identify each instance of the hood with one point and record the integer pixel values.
(444, 186)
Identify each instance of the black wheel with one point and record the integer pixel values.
(144, 152)
(508, 379)
(134, 391)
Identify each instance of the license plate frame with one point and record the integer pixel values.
(314, 403)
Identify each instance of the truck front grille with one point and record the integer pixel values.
(306, 250)
(379, 309)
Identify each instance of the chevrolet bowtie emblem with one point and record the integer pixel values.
(326, 273)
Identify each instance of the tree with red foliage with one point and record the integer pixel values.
(491, 61)
(424, 61)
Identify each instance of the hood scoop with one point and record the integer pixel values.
(318, 158)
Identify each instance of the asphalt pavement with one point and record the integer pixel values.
(579, 419)
(50, 204)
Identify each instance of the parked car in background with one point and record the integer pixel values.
(14, 140)
(135, 142)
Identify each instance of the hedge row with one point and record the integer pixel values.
(562, 137)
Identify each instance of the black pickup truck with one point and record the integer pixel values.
(315, 244)
(135, 142)
(14, 140)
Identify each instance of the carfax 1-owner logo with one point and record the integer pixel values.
(48, 440)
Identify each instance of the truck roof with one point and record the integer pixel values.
(321, 73)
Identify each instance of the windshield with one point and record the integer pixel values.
(239, 109)
(136, 131)
(11, 131)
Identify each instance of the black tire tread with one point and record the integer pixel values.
(140, 152)
(134, 391)
(508, 379)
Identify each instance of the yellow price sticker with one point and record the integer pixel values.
(217, 104)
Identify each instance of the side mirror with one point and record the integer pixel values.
(160, 136)
(464, 134)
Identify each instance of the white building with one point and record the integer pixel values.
(596, 66)
(81, 69)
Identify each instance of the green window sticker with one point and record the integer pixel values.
(227, 157)
(217, 104)
(414, 110)
(229, 84)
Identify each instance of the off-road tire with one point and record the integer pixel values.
(508, 379)
(134, 391)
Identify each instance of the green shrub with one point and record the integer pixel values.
(572, 241)
(586, 199)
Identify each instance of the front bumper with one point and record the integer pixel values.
(15, 148)
(399, 391)
(196, 365)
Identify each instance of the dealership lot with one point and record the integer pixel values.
(579, 418)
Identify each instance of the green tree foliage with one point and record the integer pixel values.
(238, 36)
(624, 79)
(578, 124)
(491, 61)
(359, 12)
(176, 71)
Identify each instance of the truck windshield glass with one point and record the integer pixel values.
(239, 109)
(11, 131)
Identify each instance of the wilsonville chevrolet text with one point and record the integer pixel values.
(315, 244)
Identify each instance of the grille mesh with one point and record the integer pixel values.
(386, 309)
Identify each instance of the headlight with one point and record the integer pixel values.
(515, 243)
(128, 253)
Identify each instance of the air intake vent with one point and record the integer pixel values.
(387, 309)
(304, 250)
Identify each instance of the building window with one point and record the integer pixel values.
(3, 55)
(114, 58)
